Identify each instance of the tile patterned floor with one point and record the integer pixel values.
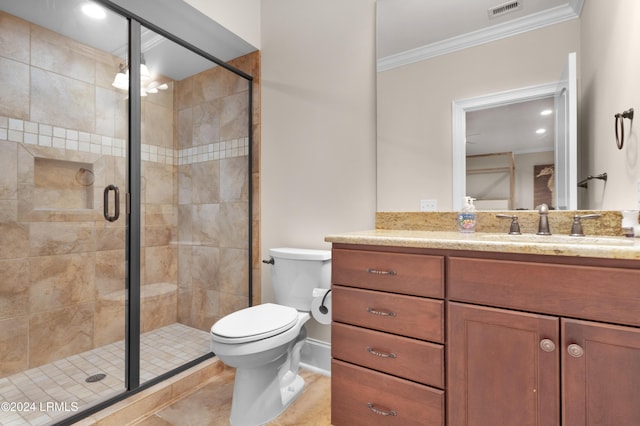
(210, 405)
(53, 391)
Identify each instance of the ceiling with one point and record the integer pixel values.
(414, 30)
(511, 128)
(111, 34)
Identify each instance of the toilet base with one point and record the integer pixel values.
(290, 392)
(261, 394)
(252, 406)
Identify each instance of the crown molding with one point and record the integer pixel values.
(531, 22)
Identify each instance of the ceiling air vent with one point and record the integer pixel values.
(504, 8)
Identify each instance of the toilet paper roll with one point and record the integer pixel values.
(315, 307)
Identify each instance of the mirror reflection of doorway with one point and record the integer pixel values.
(562, 94)
(525, 131)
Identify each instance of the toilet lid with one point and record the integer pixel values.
(255, 323)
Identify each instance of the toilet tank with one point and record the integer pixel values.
(296, 272)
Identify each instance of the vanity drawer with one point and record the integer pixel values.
(409, 316)
(416, 274)
(588, 292)
(363, 397)
(401, 356)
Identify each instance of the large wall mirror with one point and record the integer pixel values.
(426, 94)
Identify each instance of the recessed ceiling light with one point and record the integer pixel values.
(546, 112)
(94, 11)
(541, 131)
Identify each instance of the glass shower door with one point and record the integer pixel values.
(195, 201)
(63, 152)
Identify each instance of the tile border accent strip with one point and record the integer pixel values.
(45, 135)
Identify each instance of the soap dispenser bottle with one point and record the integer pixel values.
(467, 217)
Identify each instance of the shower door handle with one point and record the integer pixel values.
(116, 213)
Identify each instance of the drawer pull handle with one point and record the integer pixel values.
(381, 313)
(378, 272)
(380, 354)
(380, 412)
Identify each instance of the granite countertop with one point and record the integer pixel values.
(558, 245)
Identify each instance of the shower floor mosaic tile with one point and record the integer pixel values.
(44, 394)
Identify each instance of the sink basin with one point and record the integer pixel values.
(558, 239)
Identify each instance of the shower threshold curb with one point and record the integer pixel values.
(139, 406)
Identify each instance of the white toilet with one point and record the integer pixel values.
(263, 342)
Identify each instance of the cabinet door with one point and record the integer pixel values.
(503, 367)
(601, 374)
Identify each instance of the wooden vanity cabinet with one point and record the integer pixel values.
(505, 366)
(515, 339)
(513, 361)
(387, 338)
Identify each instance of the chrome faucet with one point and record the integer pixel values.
(543, 225)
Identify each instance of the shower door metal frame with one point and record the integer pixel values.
(134, 201)
(133, 205)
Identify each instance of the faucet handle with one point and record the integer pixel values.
(514, 229)
(576, 227)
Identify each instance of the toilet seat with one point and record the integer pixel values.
(254, 323)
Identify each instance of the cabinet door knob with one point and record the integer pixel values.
(575, 350)
(547, 345)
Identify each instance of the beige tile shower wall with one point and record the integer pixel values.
(62, 271)
(58, 112)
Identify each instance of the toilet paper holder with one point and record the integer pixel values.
(323, 309)
(321, 305)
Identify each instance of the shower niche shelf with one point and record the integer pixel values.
(62, 185)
